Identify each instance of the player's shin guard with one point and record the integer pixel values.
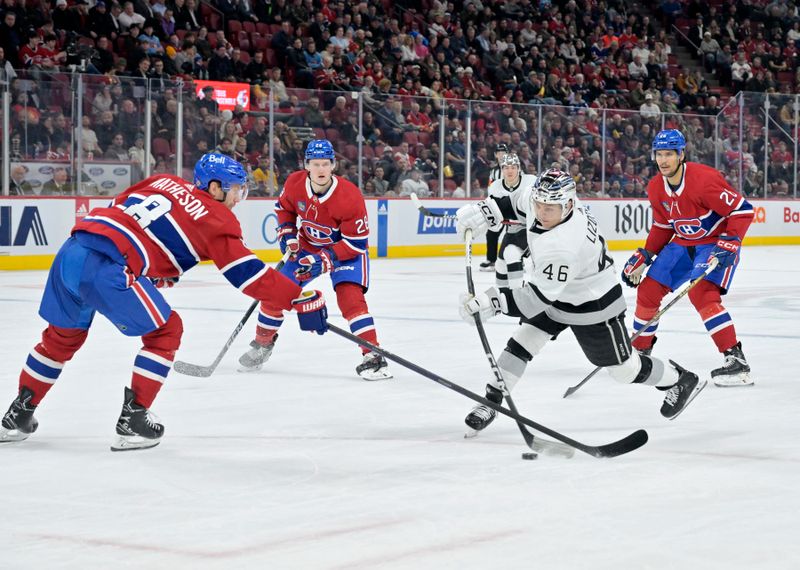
(526, 342)
(154, 360)
(269, 321)
(351, 301)
(648, 299)
(46, 361)
(707, 301)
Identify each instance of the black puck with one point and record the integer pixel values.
(530, 456)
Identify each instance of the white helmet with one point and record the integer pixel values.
(555, 186)
(510, 159)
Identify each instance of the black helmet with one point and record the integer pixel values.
(501, 147)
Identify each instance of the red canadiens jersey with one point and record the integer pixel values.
(702, 208)
(164, 226)
(336, 220)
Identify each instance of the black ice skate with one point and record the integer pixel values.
(254, 359)
(18, 423)
(137, 427)
(486, 266)
(481, 416)
(735, 371)
(373, 367)
(682, 393)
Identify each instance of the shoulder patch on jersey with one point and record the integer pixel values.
(301, 205)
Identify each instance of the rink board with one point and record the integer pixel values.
(32, 229)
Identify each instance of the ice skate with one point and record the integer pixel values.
(486, 266)
(373, 367)
(735, 371)
(137, 427)
(18, 423)
(254, 359)
(682, 393)
(482, 415)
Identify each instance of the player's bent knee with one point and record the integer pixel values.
(705, 294)
(62, 343)
(351, 300)
(167, 337)
(650, 293)
(512, 254)
(531, 338)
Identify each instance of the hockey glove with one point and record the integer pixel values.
(287, 240)
(312, 314)
(315, 264)
(634, 268)
(164, 282)
(726, 250)
(484, 215)
(486, 305)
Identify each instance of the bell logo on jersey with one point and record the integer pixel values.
(317, 235)
(689, 228)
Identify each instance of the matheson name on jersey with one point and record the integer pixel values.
(183, 196)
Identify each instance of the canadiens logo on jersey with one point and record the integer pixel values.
(689, 229)
(317, 234)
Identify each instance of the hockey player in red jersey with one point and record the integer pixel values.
(114, 263)
(322, 221)
(696, 216)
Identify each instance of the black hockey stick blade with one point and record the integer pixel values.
(541, 444)
(624, 445)
(712, 265)
(200, 371)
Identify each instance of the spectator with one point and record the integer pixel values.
(127, 18)
(415, 185)
(649, 109)
(18, 186)
(220, 67)
(708, 52)
(58, 185)
(741, 72)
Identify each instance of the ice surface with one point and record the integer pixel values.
(306, 466)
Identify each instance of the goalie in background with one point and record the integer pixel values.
(696, 216)
(572, 285)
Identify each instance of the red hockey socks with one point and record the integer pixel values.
(45, 362)
(706, 299)
(648, 301)
(351, 301)
(154, 360)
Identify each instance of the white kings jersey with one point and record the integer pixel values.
(498, 189)
(572, 280)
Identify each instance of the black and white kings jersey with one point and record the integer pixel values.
(572, 278)
(498, 189)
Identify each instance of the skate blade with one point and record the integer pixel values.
(742, 379)
(470, 433)
(12, 435)
(380, 374)
(249, 369)
(133, 442)
(697, 390)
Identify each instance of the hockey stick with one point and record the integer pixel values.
(540, 444)
(628, 443)
(431, 214)
(206, 371)
(711, 266)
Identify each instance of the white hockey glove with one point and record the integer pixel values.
(486, 305)
(484, 215)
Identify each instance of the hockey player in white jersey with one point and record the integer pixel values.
(508, 267)
(573, 285)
